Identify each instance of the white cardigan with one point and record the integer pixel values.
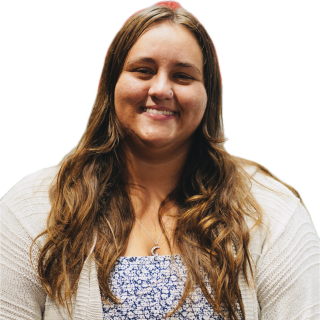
(287, 262)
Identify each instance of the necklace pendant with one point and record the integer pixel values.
(153, 249)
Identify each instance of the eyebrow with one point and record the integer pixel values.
(177, 64)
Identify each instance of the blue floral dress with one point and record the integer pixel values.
(150, 287)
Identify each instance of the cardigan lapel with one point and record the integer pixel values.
(88, 303)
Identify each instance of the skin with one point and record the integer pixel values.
(165, 59)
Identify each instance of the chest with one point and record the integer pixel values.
(144, 243)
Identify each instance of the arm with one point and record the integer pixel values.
(288, 272)
(21, 292)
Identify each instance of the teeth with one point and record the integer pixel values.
(154, 111)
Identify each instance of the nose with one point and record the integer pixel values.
(160, 87)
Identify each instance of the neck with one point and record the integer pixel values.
(153, 174)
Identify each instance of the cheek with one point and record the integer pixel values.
(128, 92)
(196, 105)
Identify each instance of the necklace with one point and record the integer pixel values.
(156, 243)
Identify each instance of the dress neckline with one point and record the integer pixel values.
(147, 259)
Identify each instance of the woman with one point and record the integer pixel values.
(149, 216)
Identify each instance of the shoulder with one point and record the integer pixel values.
(276, 200)
(278, 204)
(285, 254)
(28, 201)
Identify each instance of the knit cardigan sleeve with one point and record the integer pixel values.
(22, 295)
(287, 257)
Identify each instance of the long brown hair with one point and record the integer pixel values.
(90, 199)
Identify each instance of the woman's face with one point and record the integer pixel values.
(160, 96)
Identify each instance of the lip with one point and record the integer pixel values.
(160, 108)
(159, 116)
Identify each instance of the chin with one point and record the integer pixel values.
(156, 142)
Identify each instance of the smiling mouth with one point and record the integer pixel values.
(158, 115)
(155, 111)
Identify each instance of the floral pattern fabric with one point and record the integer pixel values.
(150, 287)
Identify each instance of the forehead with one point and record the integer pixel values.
(167, 41)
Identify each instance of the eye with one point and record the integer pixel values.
(144, 71)
(180, 76)
(184, 77)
